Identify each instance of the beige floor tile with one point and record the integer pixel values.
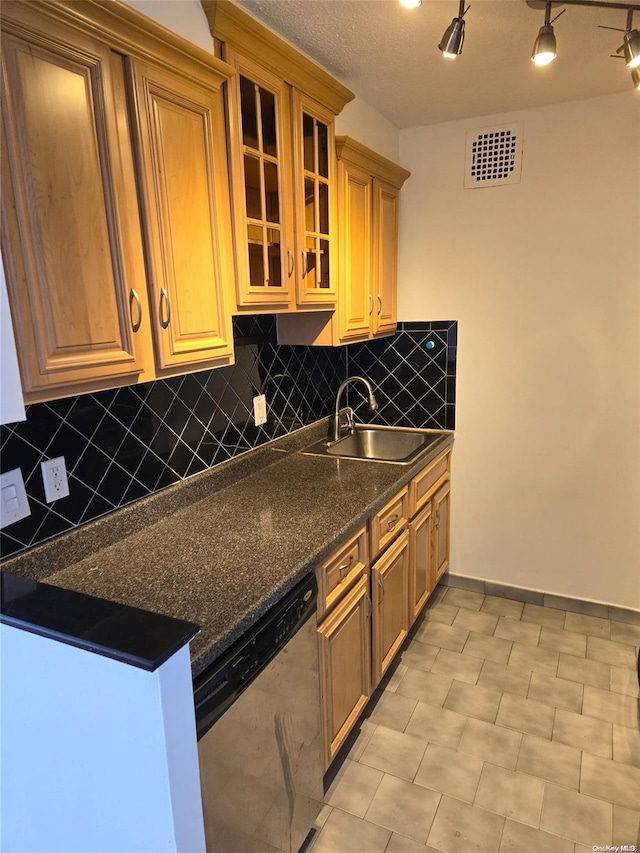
(464, 598)
(621, 632)
(548, 616)
(444, 636)
(556, 691)
(419, 655)
(476, 620)
(504, 678)
(449, 772)
(626, 746)
(394, 675)
(437, 725)
(624, 680)
(461, 828)
(534, 659)
(592, 625)
(457, 665)
(438, 594)
(626, 826)
(502, 606)
(613, 707)
(441, 612)
(607, 651)
(585, 671)
(526, 633)
(609, 780)
(405, 808)
(358, 739)
(473, 701)
(519, 838)
(487, 648)
(569, 642)
(348, 834)
(427, 687)
(353, 787)
(582, 732)
(572, 815)
(525, 715)
(394, 752)
(513, 795)
(491, 743)
(392, 710)
(401, 844)
(550, 760)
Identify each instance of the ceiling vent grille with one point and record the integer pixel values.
(494, 156)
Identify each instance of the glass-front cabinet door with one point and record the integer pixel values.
(260, 156)
(314, 168)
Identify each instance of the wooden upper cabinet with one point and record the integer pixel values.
(282, 109)
(116, 228)
(355, 232)
(181, 152)
(73, 271)
(384, 279)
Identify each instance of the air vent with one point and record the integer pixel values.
(494, 156)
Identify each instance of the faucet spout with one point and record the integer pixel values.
(335, 420)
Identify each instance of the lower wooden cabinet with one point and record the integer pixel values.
(345, 666)
(422, 578)
(441, 503)
(390, 594)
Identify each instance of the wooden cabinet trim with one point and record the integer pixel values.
(428, 481)
(337, 574)
(230, 24)
(375, 164)
(389, 522)
(420, 526)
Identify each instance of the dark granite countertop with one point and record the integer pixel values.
(218, 550)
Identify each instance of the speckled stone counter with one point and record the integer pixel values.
(221, 548)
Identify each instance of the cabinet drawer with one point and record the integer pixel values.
(424, 484)
(391, 520)
(340, 571)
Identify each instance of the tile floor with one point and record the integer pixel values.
(503, 727)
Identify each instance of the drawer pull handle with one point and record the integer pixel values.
(344, 568)
(164, 319)
(391, 522)
(135, 299)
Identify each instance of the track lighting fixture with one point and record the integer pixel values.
(453, 38)
(410, 4)
(544, 47)
(629, 50)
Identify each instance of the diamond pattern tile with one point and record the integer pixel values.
(123, 444)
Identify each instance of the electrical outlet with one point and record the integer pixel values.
(54, 477)
(260, 410)
(14, 504)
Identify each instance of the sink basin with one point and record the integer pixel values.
(378, 444)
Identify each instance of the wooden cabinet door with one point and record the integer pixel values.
(72, 251)
(345, 666)
(355, 223)
(314, 192)
(421, 571)
(385, 258)
(182, 166)
(261, 178)
(390, 594)
(441, 502)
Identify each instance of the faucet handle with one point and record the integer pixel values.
(350, 418)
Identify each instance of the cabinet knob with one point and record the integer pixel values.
(134, 299)
(165, 318)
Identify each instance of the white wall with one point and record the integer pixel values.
(11, 403)
(544, 279)
(362, 122)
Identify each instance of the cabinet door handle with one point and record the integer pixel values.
(436, 519)
(391, 522)
(367, 598)
(344, 568)
(164, 297)
(379, 304)
(305, 268)
(135, 299)
(292, 262)
(381, 585)
(370, 304)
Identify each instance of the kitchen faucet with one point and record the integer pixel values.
(335, 420)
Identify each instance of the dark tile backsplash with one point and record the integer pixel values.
(122, 445)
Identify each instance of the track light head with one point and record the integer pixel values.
(544, 47)
(453, 39)
(631, 48)
(635, 76)
(410, 4)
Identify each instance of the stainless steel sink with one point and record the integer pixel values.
(378, 444)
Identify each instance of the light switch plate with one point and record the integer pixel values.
(260, 410)
(54, 477)
(14, 503)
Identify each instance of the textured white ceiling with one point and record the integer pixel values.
(388, 55)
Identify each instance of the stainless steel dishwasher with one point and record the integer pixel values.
(259, 733)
